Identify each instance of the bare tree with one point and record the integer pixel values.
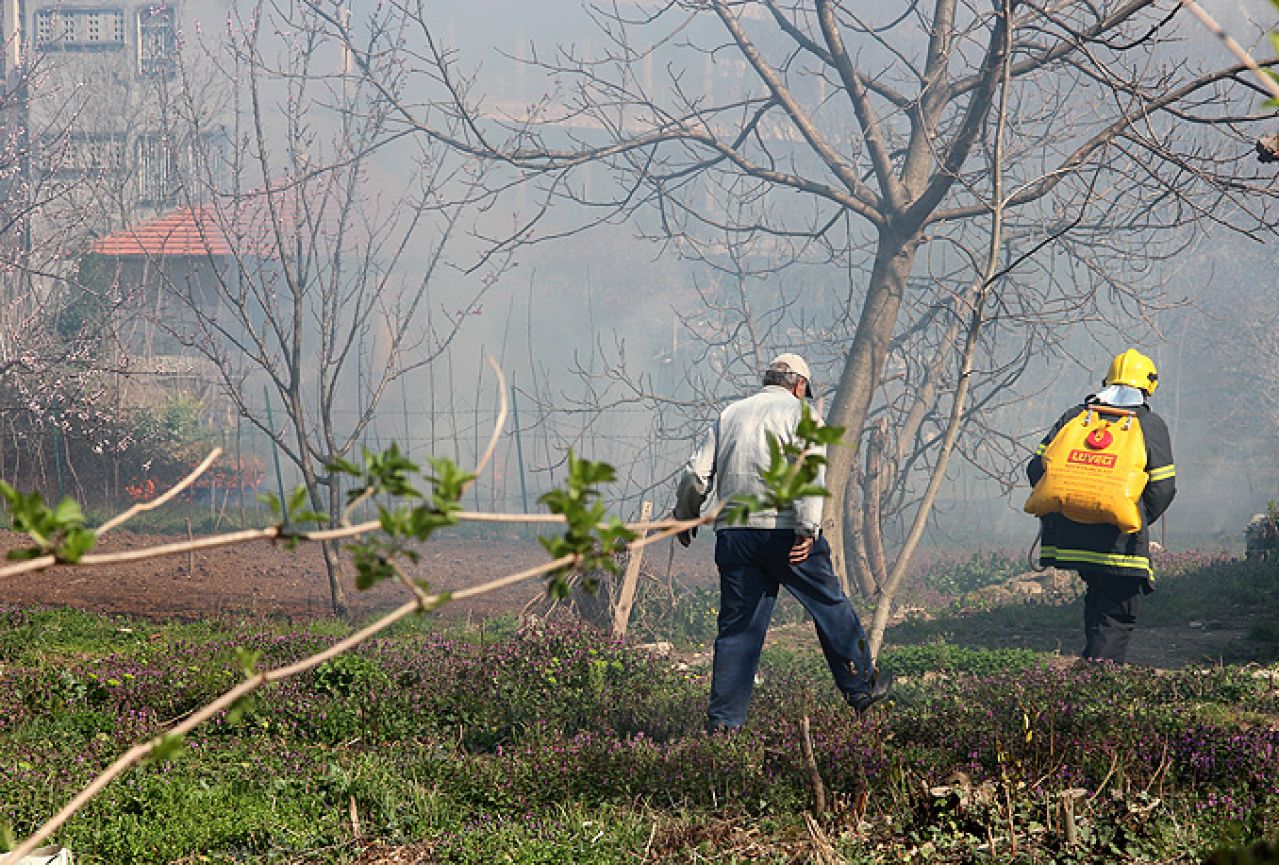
(835, 132)
(314, 276)
(58, 358)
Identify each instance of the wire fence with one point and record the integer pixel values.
(531, 459)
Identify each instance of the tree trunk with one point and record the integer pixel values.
(332, 561)
(873, 500)
(894, 258)
(332, 552)
(854, 524)
(884, 605)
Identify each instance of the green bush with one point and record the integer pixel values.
(348, 675)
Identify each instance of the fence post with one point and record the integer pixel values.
(275, 450)
(626, 597)
(519, 444)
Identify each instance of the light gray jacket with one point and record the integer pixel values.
(734, 451)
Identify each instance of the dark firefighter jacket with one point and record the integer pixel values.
(1102, 548)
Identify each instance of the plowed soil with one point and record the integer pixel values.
(265, 579)
(261, 579)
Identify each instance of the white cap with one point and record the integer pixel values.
(790, 362)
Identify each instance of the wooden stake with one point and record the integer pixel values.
(810, 764)
(355, 817)
(626, 596)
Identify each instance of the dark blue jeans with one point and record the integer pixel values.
(752, 564)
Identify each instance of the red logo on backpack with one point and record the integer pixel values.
(1099, 439)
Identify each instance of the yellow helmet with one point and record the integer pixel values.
(1135, 370)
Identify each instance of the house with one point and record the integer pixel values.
(183, 271)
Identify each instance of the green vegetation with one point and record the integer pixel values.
(976, 572)
(551, 743)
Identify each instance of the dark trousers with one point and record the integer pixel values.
(752, 564)
(1110, 615)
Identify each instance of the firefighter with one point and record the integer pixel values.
(1113, 564)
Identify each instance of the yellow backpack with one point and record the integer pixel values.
(1094, 470)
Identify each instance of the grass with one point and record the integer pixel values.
(1238, 599)
(553, 744)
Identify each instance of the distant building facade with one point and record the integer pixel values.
(86, 84)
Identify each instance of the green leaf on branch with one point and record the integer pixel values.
(792, 471)
(58, 531)
(239, 709)
(386, 472)
(374, 558)
(169, 746)
(592, 538)
(76, 544)
(297, 500)
(371, 564)
(293, 512)
(248, 659)
(68, 512)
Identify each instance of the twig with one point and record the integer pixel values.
(1012, 827)
(1235, 48)
(810, 765)
(498, 423)
(140, 507)
(1114, 761)
(649, 845)
(824, 851)
(668, 528)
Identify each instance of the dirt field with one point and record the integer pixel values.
(267, 580)
(263, 579)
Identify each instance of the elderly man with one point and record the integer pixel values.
(774, 548)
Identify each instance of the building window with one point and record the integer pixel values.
(85, 29)
(157, 41)
(80, 155)
(156, 164)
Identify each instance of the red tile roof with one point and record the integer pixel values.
(181, 232)
(202, 231)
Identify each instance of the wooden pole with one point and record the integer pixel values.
(810, 766)
(626, 597)
(519, 445)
